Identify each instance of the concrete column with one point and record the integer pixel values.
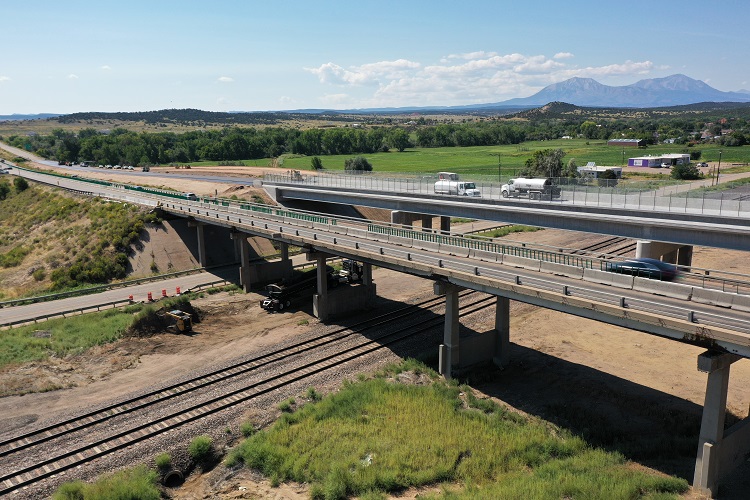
(668, 252)
(445, 224)
(708, 458)
(201, 245)
(245, 280)
(320, 301)
(366, 273)
(402, 218)
(450, 349)
(288, 268)
(426, 222)
(502, 329)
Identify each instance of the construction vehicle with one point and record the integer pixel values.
(181, 321)
(351, 271)
(280, 294)
(535, 189)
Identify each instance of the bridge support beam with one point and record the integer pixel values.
(426, 222)
(682, 255)
(448, 363)
(245, 279)
(285, 262)
(320, 299)
(199, 226)
(445, 224)
(502, 332)
(719, 451)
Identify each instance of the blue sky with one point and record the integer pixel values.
(234, 55)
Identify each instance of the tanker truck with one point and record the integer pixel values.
(535, 189)
(448, 183)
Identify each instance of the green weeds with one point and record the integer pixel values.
(378, 436)
(138, 482)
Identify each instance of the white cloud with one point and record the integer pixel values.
(105, 67)
(458, 78)
(4, 78)
(225, 79)
(72, 77)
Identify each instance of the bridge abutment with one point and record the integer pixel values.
(673, 253)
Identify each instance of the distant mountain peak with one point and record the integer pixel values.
(673, 90)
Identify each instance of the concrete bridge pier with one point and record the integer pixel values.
(449, 356)
(682, 255)
(202, 260)
(502, 332)
(245, 272)
(320, 299)
(720, 451)
(445, 224)
(426, 222)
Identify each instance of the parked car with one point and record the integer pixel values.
(666, 165)
(702, 164)
(645, 268)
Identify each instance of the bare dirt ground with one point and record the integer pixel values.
(564, 369)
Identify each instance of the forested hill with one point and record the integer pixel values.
(705, 111)
(197, 116)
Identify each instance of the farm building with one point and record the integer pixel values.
(629, 143)
(591, 170)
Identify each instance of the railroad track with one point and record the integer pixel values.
(34, 469)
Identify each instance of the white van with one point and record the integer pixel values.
(191, 196)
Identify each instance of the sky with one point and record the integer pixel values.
(247, 55)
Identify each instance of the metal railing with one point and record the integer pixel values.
(663, 196)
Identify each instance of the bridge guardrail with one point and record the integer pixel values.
(472, 242)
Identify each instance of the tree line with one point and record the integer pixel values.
(121, 146)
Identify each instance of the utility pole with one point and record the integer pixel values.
(499, 175)
(718, 169)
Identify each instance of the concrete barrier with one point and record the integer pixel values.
(377, 236)
(430, 246)
(522, 262)
(666, 288)
(400, 240)
(455, 251)
(741, 303)
(711, 297)
(607, 278)
(561, 269)
(355, 231)
(484, 255)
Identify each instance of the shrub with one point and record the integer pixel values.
(286, 406)
(163, 460)
(138, 482)
(313, 395)
(686, 172)
(201, 449)
(247, 429)
(357, 164)
(20, 184)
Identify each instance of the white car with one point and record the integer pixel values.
(666, 165)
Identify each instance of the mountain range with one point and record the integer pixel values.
(674, 90)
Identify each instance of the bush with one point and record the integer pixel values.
(138, 482)
(163, 460)
(201, 449)
(316, 163)
(20, 184)
(247, 429)
(357, 164)
(686, 172)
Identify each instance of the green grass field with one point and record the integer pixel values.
(378, 436)
(483, 160)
